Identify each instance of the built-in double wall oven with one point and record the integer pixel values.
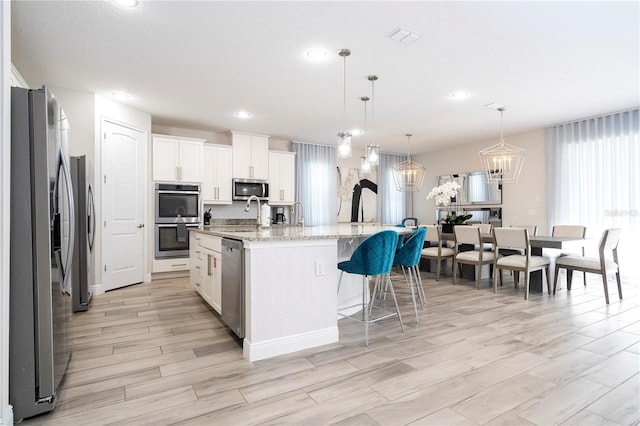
(177, 208)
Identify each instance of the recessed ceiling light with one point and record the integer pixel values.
(356, 132)
(459, 95)
(242, 115)
(120, 95)
(126, 3)
(316, 54)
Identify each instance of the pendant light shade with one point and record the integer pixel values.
(502, 162)
(408, 175)
(365, 165)
(373, 150)
(344, 137)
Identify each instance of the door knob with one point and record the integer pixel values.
(141, 225)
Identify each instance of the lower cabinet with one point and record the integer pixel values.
(206, 268)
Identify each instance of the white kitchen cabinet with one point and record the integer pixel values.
(177, 159)
(206, 277)
(250, 155)
(195, 258)
(282, 178)
(216, 174)
(181, 264)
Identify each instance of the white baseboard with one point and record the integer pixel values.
(274, 347)
(7, 418)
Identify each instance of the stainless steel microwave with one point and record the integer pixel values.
(245, 188)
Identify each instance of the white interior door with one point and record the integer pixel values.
(123, 200)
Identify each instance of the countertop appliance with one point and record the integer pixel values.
(82, 272)
(279, 216)
(42, 240)
(233, 285)
(245, 188)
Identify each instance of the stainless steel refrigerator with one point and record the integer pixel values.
(41, 251)
(82, 269)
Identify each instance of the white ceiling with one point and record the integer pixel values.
(194, 64)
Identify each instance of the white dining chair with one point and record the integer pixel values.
(601, 265)
(437, 252)
(574, 231)
(517, 239)
(470, 235)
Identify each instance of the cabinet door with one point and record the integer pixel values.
(190, 161)
(260, 157)
(208, 188)
(275, 188)
(216, 295)
(165, 159)
(241, 155)
(288, 178)
(208, 275)
(224, 174)
(281, 178)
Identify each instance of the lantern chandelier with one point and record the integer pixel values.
(502, 162)
(408, 174)
(365, 165)
(344, 136)
(373, 150)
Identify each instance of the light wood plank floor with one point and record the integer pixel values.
(154, 353)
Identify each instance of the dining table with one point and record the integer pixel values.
(538, 244)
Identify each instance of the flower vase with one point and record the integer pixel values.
(447, 228)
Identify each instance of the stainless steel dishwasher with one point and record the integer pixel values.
(233, 285)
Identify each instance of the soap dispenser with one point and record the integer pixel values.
(265, 215)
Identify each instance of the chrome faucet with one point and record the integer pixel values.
(246, 209)
(293, 211)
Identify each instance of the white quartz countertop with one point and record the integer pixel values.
(284, 233)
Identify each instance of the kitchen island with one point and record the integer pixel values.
(290, 283)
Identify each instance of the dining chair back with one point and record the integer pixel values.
(517, 239)
(601, 265)
(470, 236)
(437, 252)
(573, 231)
(410, 221)
(373, 257)
(531, 229)
(408, 258)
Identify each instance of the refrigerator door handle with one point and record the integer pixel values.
(62, 164)
(91, 220)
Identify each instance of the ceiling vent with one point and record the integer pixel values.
(403, 35)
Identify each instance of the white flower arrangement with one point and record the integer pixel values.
(444, 193)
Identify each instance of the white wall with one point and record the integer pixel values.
(522, 203)
(6, 413)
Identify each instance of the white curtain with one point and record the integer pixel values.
(393, 205)
(316, 182)
(593, 176)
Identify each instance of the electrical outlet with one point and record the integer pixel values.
(319, 267)
(532, 212)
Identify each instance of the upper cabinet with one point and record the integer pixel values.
(282, 178)
(216, 173)
(177, 159)
(250, 155)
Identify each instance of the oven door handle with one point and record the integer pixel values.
(163, 191)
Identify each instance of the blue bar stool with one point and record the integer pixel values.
(373, 257)
(408, 258)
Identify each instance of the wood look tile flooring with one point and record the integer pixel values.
(155, 353)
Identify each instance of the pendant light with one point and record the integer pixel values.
(373, 150)
(408, 174)
(502, 162)
(365, 165)
(344, 137)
